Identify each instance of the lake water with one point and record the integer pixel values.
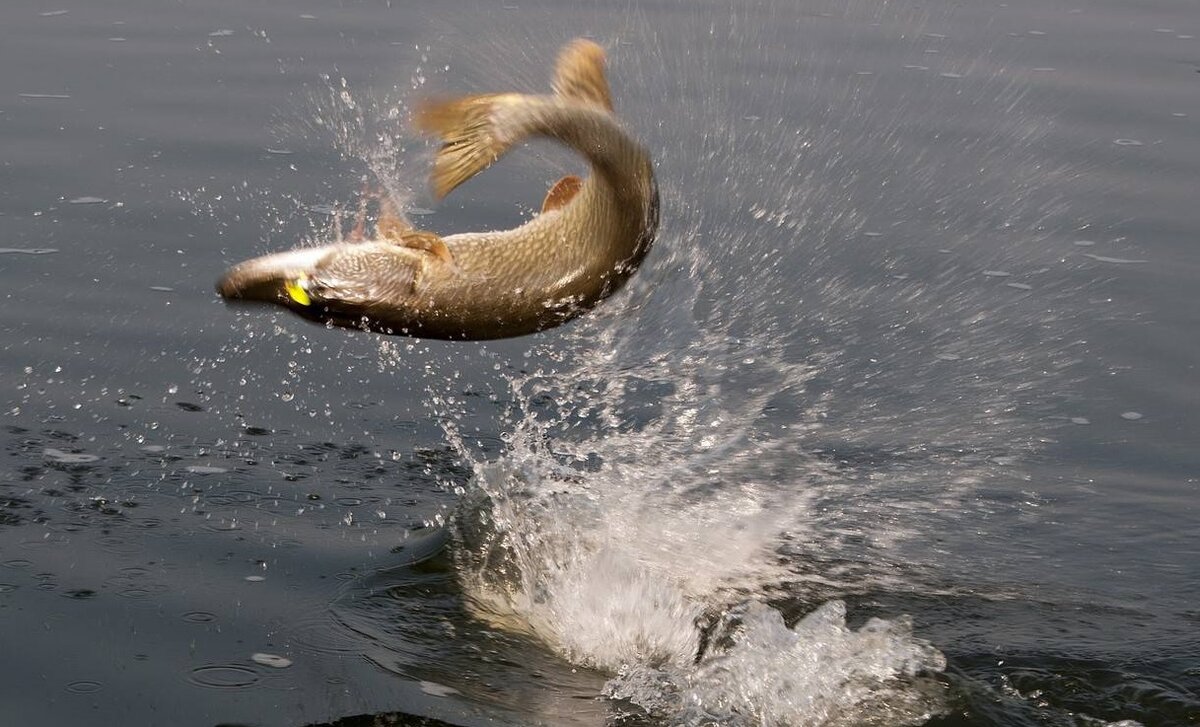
(898, 424)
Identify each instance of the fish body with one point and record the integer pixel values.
(589, 238)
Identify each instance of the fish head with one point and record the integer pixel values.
(361, 285)
(298, 280)
(280, 278)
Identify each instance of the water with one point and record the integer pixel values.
(895, 426)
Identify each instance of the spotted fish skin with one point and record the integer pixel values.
(590, 237)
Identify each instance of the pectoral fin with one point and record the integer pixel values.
(427, 241)
(563, 191)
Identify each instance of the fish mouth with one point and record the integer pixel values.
(271, 278)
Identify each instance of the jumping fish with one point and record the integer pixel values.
(589, 238)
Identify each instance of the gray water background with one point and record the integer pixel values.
(900, 167)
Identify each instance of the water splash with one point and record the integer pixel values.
(801, 385)
(808, 370)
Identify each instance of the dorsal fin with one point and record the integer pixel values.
(579, 74)
(563, 191)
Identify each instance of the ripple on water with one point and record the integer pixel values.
(223, 676)
(199, 617)
(135, 593)
(58, 456)
(244, 497)
(48, 539)
(79, 594)
(321, 635)
(117, 545)
(84, 687)
(221, 526)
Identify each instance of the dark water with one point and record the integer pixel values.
(918, 340)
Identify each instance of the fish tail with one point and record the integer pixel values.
(470, 143)
(478, 130)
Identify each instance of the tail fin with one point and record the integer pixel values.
(474, 137)
(469, 141)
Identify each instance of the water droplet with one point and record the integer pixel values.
(1127, 142)
(437, 690)
(1082, 421)
(271, 660)
(27, 250)
(1113, 260)
(1132, 416)
(200, 469)
(61, 457)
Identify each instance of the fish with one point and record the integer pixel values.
(589, 238)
